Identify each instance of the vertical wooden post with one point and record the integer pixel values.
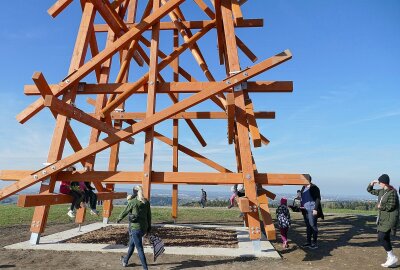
(175, 131)
(40, 215)
(242, 126)
(151, 101)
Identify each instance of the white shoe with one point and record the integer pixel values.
(94, 212)
(71, 214)
(390, 262)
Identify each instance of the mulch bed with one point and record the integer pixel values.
(181, 237)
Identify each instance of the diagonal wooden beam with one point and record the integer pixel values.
(84, 70)
(110, 16)
(143, 125)
(58, 7)
(253, 127)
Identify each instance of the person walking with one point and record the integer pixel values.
(312, 210)
(388, 215)
(283, 216)
(203, 199)
(140, 224)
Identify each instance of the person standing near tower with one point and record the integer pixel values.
(388, 215)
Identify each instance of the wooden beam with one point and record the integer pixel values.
(143, 125)
(58, 7)
(267, 218)
(129, 177)
(187, 115)
(230, 113)
(170, 87)
(30, 200)
(85, 69)
(110, 16)
(188, 24)
(253, 127)
(236, 11)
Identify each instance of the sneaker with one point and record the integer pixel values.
(71, 214)
(122, 259)
(306, 245)
(94, 212)
(390, 262)
(313, 246)
(229, 207)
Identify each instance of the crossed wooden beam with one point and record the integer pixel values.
(125, 38)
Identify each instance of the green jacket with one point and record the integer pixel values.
(141, 211)
(388, 215)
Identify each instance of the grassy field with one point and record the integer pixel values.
(11, 214)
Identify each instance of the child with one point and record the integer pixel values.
(283, 216)
(233, 196)
(91, 198)
(70, 189)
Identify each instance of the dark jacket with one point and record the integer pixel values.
(142, 213)
(316, 196)
(388, 213)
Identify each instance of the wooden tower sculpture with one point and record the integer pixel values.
(125, 39)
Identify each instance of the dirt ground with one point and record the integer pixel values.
(178, 237)
(346, 242)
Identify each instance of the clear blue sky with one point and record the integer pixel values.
(341, 124)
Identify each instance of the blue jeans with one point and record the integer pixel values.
(311, 224)
(135, 239)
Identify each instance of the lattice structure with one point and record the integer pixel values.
(125, 38)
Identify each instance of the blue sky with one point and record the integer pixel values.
(341, 124)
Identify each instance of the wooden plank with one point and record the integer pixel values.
(244, 205)
(188, 24)
(170, 87)
(233, 67)
(227, 177)
(253, 127)
(143, 125)
(58, 7)
(187, 115)
(236, 11)
(175, 131)
(151, 105)
(85, 69)
(70, 111)
(30, 200)
(267, 219)
(230, 114)
(40, 214)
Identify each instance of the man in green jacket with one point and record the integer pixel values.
(139, 212)
(388, 215)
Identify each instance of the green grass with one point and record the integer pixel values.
(13, 215)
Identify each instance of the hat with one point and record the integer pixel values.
(384, 178)
(283, 201)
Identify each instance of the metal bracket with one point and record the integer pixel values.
(81, 86)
